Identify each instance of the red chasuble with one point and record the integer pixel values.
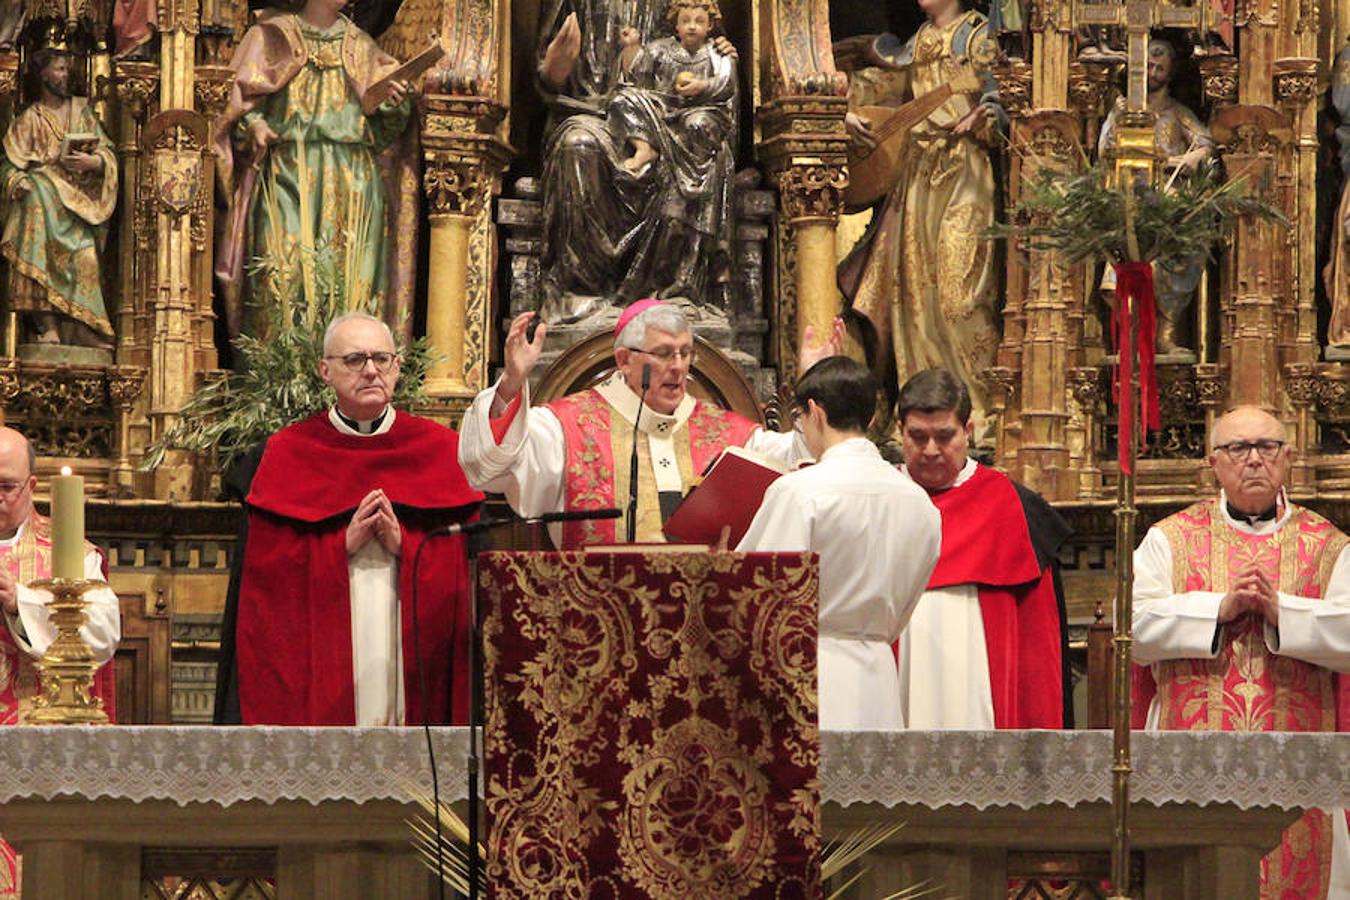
(986, 542)
(294, 632)
(1246, 687)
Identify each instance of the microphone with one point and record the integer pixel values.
(633, 460)
(567, 515)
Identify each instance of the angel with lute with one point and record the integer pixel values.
(923, 115)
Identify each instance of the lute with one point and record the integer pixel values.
(872, 173)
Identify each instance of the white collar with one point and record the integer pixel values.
(620, 396)
(1260, 528)
(339, 422)
(853, 446)
(966, 473)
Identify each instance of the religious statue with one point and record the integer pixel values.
(1336, 275)
(134, 25)
(315, 158)
(922, 276)
(638, 163)
(60, 188)
(1185, 143)
(13, 15)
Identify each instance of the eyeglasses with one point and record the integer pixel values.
(667, 355)
(10, 489)
(355, 362)
(1238, 451)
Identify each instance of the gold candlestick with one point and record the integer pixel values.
(67, 668)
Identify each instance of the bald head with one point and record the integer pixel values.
(13, 443)
(17, 462)
(1245, 423)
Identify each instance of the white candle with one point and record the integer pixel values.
(68, 525)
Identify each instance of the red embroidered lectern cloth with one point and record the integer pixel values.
(651, 725)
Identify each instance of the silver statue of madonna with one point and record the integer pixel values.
(638, 163)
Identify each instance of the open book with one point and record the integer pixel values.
(729, 495)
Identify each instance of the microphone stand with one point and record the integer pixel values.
(474, 533)
(633, 460)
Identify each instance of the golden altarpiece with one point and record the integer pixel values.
(1259, 74)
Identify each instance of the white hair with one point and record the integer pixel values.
(665, 317)
(341, 320)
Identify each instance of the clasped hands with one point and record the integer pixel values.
(374, 519)
(1251, 592)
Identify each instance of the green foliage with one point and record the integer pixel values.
(1083, 217)
(278, 385)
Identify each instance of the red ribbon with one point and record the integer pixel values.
(1134, 281)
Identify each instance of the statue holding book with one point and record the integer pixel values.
(317, 159)
(59, 177)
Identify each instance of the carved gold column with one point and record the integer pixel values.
(464, 151)
(464, 157)
(124, 386)
(178, 26)
(1049, 142)
(800, 140)
(136, 85)
(1052, 51)
(1296, 91)
(1300, 384)
(1257, 270)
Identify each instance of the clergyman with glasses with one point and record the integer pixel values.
(319, 630)
(1242, 620)
(573, 453)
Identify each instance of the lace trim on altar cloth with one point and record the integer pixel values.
(981, 769)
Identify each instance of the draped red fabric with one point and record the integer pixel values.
(1017, 598)
(651, 725)
(1134, 282)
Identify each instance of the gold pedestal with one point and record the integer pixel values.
(67, 668)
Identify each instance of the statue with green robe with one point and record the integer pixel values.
(315, 155)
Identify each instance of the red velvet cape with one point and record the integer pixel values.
(986, 542)
(294, 639)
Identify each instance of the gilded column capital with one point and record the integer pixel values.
(137, 86)
(1211, 387)
(1219, 78)
(1003, 383)
(125, 384)
(811, 193)
(454, 185)
(1089, 83)
(1014, 85)
(211, 89)
(1085, 386)
(9, 383)
(804, 147)
(1295, 80)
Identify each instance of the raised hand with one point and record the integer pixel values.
(813, 350)
(561, 56)
(521, 355)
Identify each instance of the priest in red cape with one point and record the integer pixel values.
(335, 617)
(573, 453)
(987, 644)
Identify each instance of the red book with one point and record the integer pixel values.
(729, 495)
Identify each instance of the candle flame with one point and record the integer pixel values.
(65, 470)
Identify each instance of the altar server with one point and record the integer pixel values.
(877, 534)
